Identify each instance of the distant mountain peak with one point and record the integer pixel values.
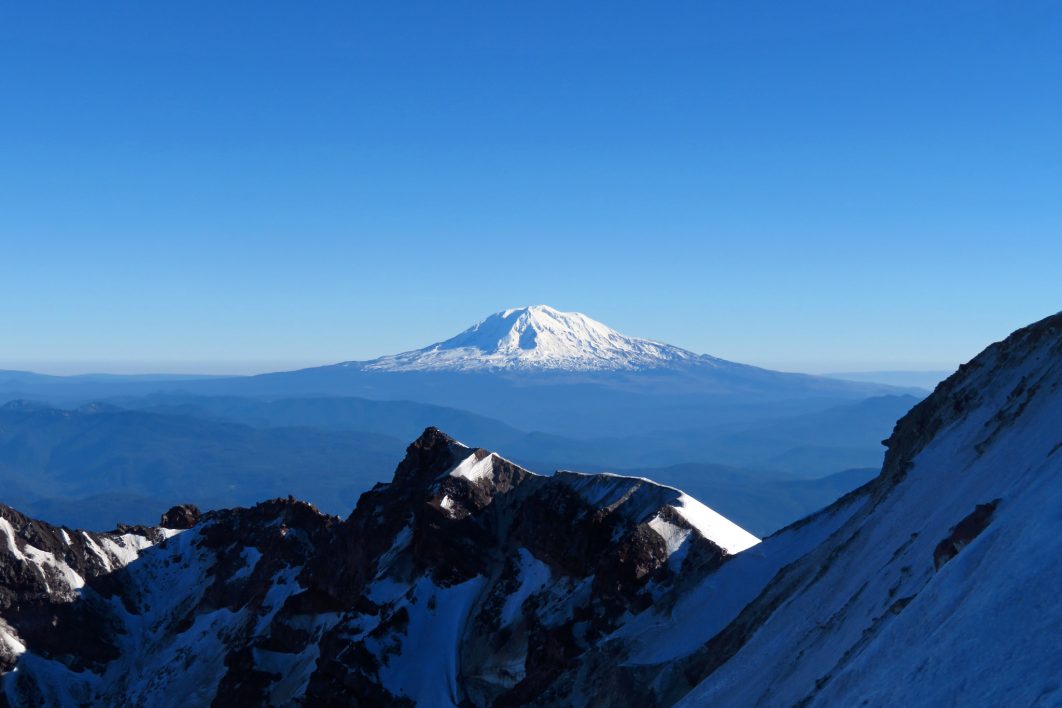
(537, 337)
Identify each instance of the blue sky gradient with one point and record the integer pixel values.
(245, 186)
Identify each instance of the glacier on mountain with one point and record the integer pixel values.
(538, 337)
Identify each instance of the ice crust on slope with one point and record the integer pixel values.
(539, 338)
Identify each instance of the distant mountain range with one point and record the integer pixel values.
(538, 369)
(553, 389)
(927, 380)
(99, 464)
(534, 345)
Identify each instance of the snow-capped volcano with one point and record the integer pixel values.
(537, 337)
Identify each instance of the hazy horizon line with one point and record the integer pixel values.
(251, 367)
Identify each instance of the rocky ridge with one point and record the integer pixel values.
(467, 578)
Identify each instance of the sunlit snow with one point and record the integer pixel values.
(537, 337)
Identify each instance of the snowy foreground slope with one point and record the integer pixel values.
(470, 581)
(935, 584)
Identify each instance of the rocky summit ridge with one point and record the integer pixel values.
(465, 578)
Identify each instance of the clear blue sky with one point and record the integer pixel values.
(245, 186)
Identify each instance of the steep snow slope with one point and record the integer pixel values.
(950, 576)
(935, 584)
(537, 337)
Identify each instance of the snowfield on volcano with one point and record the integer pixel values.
(538, 338)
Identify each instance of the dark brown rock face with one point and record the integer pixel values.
(54, 587)
(184, 516)
(965, 531)
(466, 579)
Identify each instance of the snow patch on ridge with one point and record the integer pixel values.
(9, 641)
(51, 567)
(714, 526)
(250, 556)
(674, 536)
(426, 669)
(474, 468)
(447, 504)
(533, 574)
(640, 500)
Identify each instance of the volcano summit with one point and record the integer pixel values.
(538, 337)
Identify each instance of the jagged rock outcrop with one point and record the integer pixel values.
(182, 516)
(466, 579)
